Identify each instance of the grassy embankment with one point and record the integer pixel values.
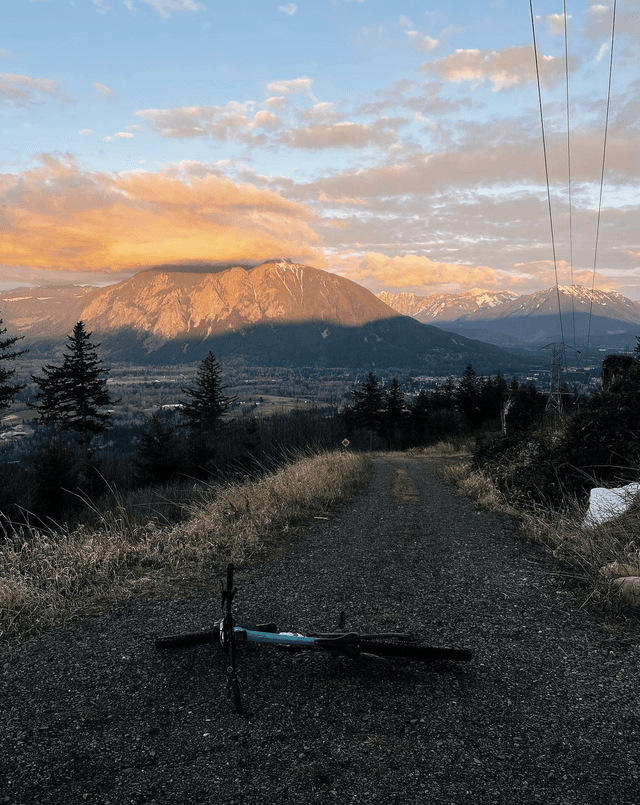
(581, 553)
(48, 578)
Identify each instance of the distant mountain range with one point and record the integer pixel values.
(278, 313)
(605, 318)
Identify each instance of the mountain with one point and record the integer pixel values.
(278, 313)
(175, 304)
(444, 307)
(605, 319)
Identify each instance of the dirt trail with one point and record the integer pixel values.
(547, 711)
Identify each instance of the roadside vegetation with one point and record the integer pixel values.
(47, 577)
(541, 477)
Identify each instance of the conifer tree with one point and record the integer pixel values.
(368, 403)
(7, 391)
(207, 403)
(467, 396)
(394, 414)
(70, 397)
(204, 410)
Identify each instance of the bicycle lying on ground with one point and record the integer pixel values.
(229, 637)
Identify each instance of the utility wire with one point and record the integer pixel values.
(604, 153)
(546, 171)
(566, 71)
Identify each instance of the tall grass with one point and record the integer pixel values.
(46, 578)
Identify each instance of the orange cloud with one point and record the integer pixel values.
(58, 216)
(418, 273)
(504, 68)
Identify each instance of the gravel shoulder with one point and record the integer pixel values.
(546, 712)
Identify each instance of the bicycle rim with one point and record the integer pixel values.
(415, 652)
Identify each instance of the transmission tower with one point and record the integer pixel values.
(554, 401)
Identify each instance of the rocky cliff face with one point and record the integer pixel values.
(174, 304)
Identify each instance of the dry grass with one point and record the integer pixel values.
(48, 578)
(590, 558)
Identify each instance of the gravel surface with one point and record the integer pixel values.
(546, 712)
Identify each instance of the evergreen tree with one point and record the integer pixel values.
(158, 459)
(443, 396)
(7, 391)
(420, 416)
(207, 403)
(492, 393)
(368, 403)
(70, 397)
(467, 396)
(393, 416)
(204, 409)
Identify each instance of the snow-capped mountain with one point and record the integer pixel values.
(574, 314)
(445, 307)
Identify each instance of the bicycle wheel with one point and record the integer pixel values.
(412, 651)
(184, 640)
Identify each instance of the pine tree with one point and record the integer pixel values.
(467, 396)
(7, 391)
(394, 414)
(70, 397)
(207, 403)
(368, 404)
(420, 416)
(204, 410)
(158, 459)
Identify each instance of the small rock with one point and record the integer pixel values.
(628, 588)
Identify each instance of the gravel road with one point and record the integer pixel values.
(546, 712)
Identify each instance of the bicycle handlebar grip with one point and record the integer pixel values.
(184, 640)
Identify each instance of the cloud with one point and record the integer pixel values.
(292, 87)
(165, 7)
(20, 90)
(223, 123)
(58, 216)
(414, 272)
(342, 135)
(289, 9)
(103, 91)
(423, 41)
(505, 69)
(556, 24)
(123, 135)
(85, 132)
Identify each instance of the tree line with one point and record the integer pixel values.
(381, 416)
(198, 440)
(63, 467)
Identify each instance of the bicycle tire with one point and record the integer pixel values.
(184, 640)
(415, 652)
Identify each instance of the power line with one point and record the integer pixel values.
(604, 152)
(546, 168)
(566, 72)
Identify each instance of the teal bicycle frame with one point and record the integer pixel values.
(351, 644)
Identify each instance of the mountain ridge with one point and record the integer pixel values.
(278, 313)
(528, 320)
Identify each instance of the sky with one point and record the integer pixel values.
(394, 142)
